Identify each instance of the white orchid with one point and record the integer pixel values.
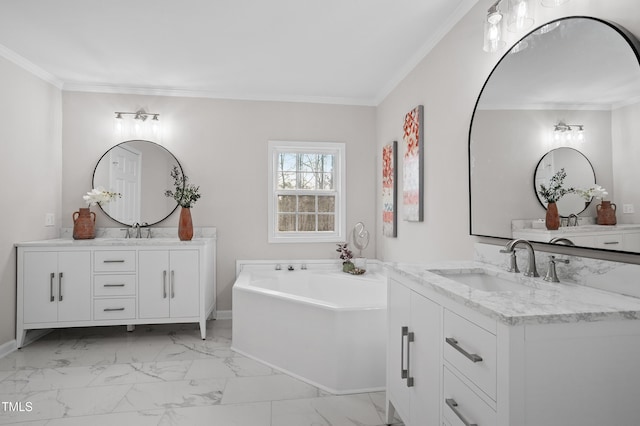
(595, 191)
(99, 196)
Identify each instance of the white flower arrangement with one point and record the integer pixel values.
(595, 191)
(99, 196)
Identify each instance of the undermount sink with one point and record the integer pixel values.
(480, 279)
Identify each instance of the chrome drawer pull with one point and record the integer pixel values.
(113, 261)
(113, 309)
(164, 284)
(409, 378)
(172, 284)
(60, 286)
(612, 242)
(51, 278)
(454, 407)
(114, 285)
(453, 342)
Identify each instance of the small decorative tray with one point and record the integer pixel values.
(357, 271)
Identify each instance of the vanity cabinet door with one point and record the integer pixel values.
(168, 283)
(398, 301)
(56, 286)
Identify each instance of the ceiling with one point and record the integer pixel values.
(333, 51)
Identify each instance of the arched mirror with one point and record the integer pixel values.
(580, 175)
(578, 71)
(140, 171)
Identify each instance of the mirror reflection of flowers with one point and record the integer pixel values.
(594, 192)
(100, 196)
(345, 253)
(185, 194)
(555, 190)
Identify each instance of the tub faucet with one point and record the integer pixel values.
(290, 268)
(531, 267)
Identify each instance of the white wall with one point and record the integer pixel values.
(626, 151)
(447, 82)
(30, 158)
(222, 146)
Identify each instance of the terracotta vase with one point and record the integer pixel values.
(606, 213)
(552, 220)
(84, 224)
(185, 225)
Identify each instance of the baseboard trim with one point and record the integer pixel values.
(8, 347)
(223, 315)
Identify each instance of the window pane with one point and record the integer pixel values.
(307, 222)
(286, 222)
(306, 181)
(326, 222)
(327, 162)
(309, 162)
(287, 162)
(286, 180)
(287, 203)
(325, 181)
(307, 203)
(326, 203)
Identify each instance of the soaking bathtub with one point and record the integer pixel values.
(320, 325)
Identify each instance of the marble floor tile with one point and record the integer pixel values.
(238, 366)
(183, 393)
(266, 388)
(344, 410)
(254, 414)
(163, 375)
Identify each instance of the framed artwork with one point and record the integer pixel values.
(389, 189)
(413, 165)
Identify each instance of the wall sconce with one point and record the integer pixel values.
(568, 133)
(138, 127)
(519, 16)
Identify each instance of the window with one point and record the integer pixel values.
(306, 192)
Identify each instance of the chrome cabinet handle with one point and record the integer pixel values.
(409, 378)
(51, 278)
(404, 333)
(453, 342)
(171, 285)
(164, 284)
(113, 261)
(113, 285)
(454, 407)
(60, 287)
(612, 242)
(113, 309)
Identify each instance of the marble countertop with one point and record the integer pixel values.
(540, 302)
(582, 229)
(111, 242)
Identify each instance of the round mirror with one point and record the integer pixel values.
(580, 175)
(140, 171)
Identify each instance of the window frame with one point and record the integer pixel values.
(338, 149)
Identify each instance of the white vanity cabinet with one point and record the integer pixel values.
(67, 283)
(168, 283)
(414, 334)
(533, 369)
(58, 286)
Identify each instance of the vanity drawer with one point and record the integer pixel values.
(609, 241)
(471, 350)
(114, 261)
(120, 308)
(114, 285)
(460, 404)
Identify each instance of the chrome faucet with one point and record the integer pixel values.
(564, 240)
(531, 267)
(552, 276)
(136, 227)
(575, 219)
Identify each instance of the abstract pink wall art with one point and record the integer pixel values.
(413, 166)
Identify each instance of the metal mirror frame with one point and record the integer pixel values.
(93, 183)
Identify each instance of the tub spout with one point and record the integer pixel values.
(290, 268)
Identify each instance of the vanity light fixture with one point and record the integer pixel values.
(564, 132)
(138, 128)
(518, 15)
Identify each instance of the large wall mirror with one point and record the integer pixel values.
(140, 171)
(576, 70)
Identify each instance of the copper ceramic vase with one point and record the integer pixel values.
(606, 213)
(84, 224)
(185, 225)
(552, 220)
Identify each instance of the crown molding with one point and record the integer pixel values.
(150, 91)
(29, 66)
